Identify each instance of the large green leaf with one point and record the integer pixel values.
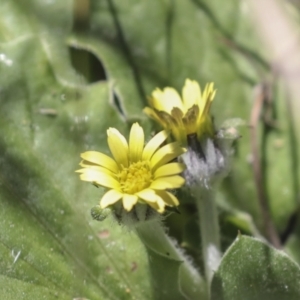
(50, 247)
(251, 269)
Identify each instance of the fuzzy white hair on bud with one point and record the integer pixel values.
(208, 166)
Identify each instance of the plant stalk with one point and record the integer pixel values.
(160, 246)
(209, 229)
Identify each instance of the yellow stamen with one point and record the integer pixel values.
(136, 177)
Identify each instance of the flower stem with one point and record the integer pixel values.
(173, 275)
(209, 229)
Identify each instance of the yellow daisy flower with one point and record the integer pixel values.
(186, 115)
(136, 173)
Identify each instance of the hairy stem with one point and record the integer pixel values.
(209, 229)
(164, 253)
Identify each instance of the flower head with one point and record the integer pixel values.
(186, 115)
(136, 173)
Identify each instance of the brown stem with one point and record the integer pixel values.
(270, 229)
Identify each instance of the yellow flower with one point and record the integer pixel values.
(186, 115)
(136, 173)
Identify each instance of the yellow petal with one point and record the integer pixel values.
(100, 178)
(100, 159)
(136, 143)
(118, 146)
(165, 154)
(167, 99)
(158, 206)
(209, 94)
(168, 198)
(129, 201)
(148, 195)
(154, 144)
(169, 169)
(110, 197)
(152, 114)
(206, 98)
(190, 94)
(170, 182)
(92, 166)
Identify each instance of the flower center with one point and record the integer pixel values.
(135, 178)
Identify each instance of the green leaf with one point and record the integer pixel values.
(50, 247)
(172, 274)
(250, 269)
(165, 274)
